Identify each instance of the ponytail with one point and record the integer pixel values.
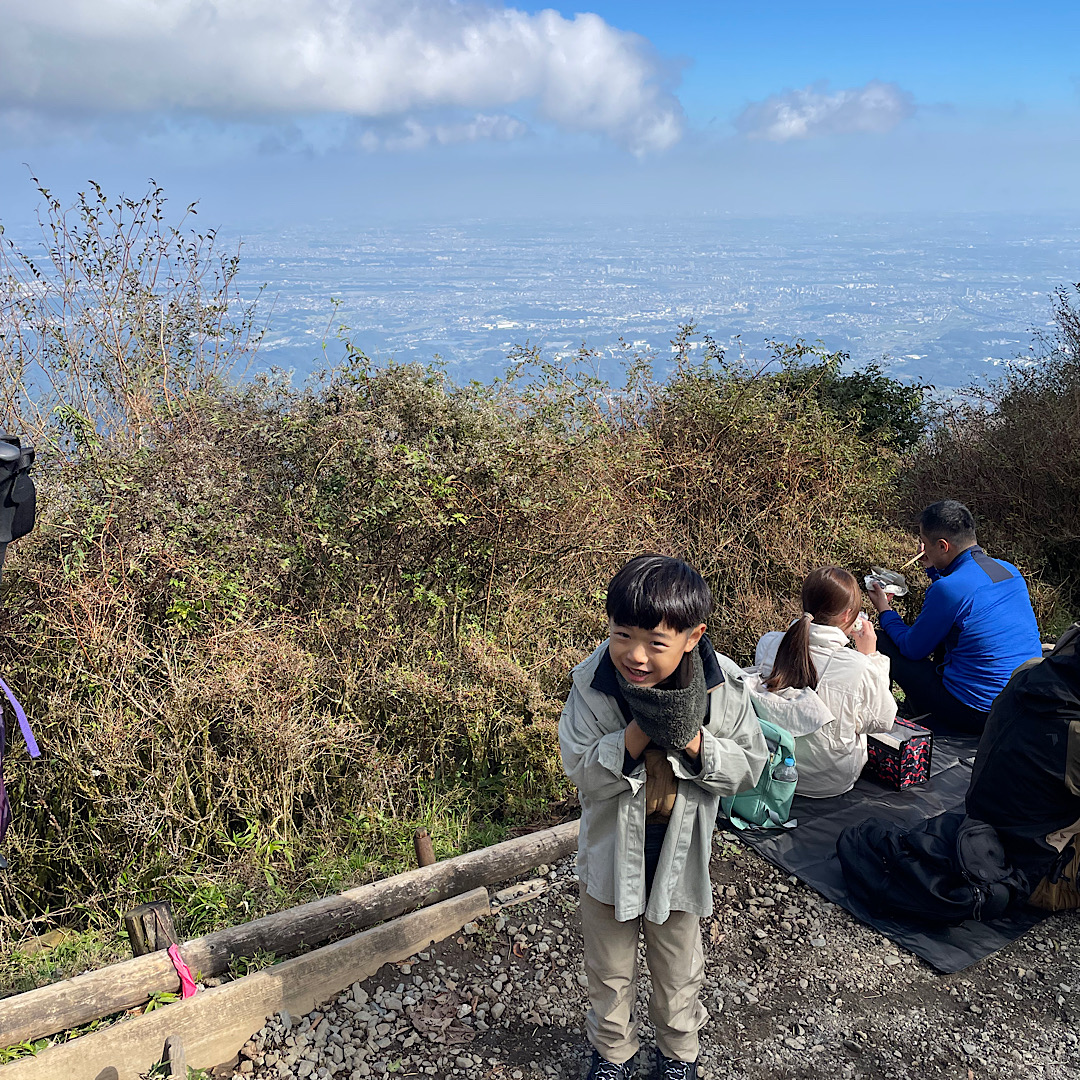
(829, 596)
(793, 665)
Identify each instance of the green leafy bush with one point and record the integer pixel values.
(885, 408)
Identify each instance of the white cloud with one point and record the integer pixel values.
(370, 59)
(411, 134)
(802, 114)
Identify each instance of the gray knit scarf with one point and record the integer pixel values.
(670, 717)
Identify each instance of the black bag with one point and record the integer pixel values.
(1026, 779)
(944, 870)
(18, 497)
(18, 504)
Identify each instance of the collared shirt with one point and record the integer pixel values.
(980, 610)
(611, 842)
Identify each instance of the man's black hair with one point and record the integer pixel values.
(654, 589)
(949, 520)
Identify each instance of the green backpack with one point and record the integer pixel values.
(768, 803)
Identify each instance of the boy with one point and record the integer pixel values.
(656, 729)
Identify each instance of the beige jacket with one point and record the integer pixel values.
(853, 699)
(611, 843)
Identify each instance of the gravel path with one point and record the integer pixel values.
(795, 986)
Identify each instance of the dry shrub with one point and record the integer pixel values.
(1010, 451)
(294, 624)
(266, 632)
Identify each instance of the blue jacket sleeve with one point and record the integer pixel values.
(928, 631)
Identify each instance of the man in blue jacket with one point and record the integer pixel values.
(977, 610)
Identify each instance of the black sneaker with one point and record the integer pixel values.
(602, 1069)
(669, 1069)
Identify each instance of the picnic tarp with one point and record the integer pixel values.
(809, 852)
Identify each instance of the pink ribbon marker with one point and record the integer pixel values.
(187, 981)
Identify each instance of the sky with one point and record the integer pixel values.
(362, 110)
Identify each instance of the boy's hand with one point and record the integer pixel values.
(693, 747)
(637, 742)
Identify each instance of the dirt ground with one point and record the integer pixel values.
(795, 986)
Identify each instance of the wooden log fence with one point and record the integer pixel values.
(131, 983)
(213, 1025)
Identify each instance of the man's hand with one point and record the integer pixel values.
(693, 747)
(924, 562)
(637, 742)
(879, 597)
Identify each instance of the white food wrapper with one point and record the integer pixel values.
(893, 583)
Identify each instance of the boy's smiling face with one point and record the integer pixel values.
(648, 657)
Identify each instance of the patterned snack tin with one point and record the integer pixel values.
(900, 758)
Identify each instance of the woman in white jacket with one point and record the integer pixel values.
(828, 696)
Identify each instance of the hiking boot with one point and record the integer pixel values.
(670, 1069)
(602, 1069)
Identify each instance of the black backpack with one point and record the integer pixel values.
(18, 503)
(18, 497)
(1026, 779)
(944, 870)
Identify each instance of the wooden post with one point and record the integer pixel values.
(425, 853)
(150, 927)
(175, 1057)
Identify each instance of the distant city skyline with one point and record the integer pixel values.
(943, 302)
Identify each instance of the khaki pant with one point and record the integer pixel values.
(676, 963)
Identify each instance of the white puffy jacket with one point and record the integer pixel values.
(830, 725)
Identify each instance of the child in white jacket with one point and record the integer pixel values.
(828, 696)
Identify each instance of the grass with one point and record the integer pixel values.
(25, 970)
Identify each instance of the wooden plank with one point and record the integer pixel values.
(131, 983)
(215, 1024)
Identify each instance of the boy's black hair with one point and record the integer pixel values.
(949, 520)
(654, 589)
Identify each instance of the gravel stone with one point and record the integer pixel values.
(796, 990)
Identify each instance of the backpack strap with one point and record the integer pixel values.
(24, 724)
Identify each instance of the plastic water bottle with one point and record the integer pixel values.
(786, 772)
